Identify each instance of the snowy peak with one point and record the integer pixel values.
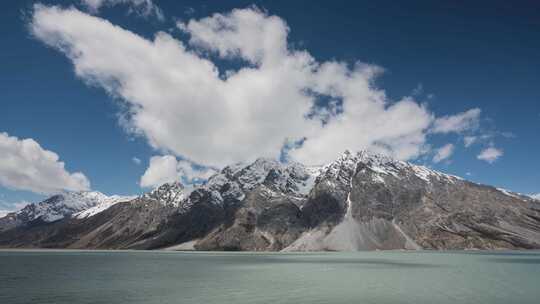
(65, 204)
(255, 173)
(381, 167)
(105, 202)
(291, 178)
(535, 196)
(340, 171)
(288, 178)
(168, 194)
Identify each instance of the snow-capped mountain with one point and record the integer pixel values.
(292, 178)
(391, 204)
(360, 201)
(68, 204)
(104, 202)
(168, 194)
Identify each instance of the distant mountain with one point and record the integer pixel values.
(361, 201)
(78, 204)
(535, 196)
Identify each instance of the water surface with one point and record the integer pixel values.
(194, 277)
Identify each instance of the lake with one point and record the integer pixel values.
(220, 277)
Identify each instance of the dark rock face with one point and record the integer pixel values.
(358, 202)
(266, 221)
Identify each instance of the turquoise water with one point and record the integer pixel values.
(182, 277)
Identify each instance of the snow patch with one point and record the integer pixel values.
(535, 196)
(172, 194)
(103, 205)
(65, 204)
(508, 193)
(305, 186)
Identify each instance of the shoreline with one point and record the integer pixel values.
(168, 250)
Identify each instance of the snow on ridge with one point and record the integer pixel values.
(510, 193)
(426, 173)
(306, 186)
(168, 194)
(66, 204)
(255, 173)
(384, 165)
(288, 177)
(103, 205)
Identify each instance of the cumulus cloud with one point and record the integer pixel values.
(469, 141)
(457, 123)
(179, 100)
(162, 169)
(144, 8)
(136, 160)
(25, 165)
(443, 153)
(490, 154)
(166, 169)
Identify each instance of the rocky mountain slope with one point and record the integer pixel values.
(361, 201)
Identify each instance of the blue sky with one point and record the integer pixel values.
(450, 58)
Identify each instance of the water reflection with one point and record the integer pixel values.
(343, 261)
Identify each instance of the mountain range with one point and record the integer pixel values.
(360, 201)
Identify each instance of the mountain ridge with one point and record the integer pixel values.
(360, 201)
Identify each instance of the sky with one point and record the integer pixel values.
(119, 96)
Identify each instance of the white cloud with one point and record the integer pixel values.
(457, 123)
(184, 105)
(245, 33)
(144, 8)
(535, 196)
(443, 153)
(162, 169)
(469, 140)
(166, 169)
(25, 165)
(11, 207)
(397, 129)
(490, 154)
(136, 160)
(191, 173)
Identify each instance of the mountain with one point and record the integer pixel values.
(360, 201)
(535, 196)
(79, 204)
